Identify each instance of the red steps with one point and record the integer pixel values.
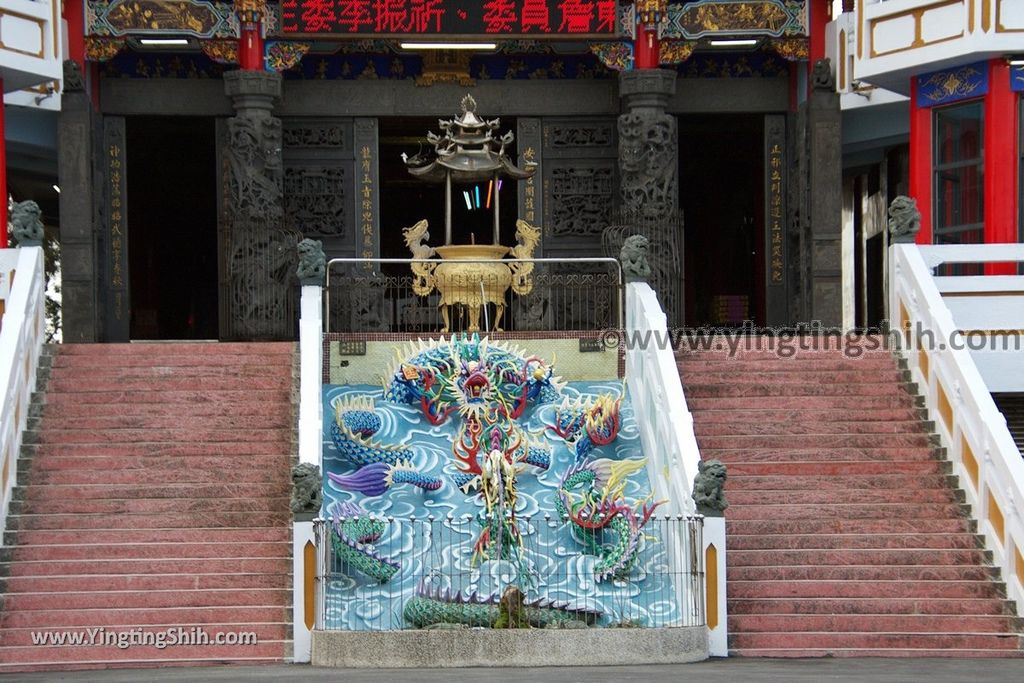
(153, 492)
(845, 537)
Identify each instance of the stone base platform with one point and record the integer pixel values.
(509, 648)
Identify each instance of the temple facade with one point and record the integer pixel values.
(199, 141)
(932, 109)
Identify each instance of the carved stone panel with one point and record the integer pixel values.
(319, 175)
(581, 197)
(315, 199)
(580, 176)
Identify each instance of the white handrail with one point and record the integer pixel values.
(669, 443)
(666, 424)
(22, 335)
(972, 429)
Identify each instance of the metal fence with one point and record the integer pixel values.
(387, 573)
(560, 294)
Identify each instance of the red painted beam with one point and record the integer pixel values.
(921, 162)
(646, 48)
(1001, 161)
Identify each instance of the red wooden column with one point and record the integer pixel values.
(3, 175)
(250, 39)
(1001, 158)
(921, 162)
(73, 12)
(818, 19)
(647, 46)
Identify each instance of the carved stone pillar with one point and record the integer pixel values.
(78, 209)
(819, 218)
(254, 146)
(259, 253)
(648, 143)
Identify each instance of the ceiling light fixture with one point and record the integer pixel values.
(155, 42)
(744, 42)
(449, 46)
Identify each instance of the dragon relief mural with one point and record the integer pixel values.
(477, 427)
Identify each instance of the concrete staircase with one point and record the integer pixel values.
(152, 495)
(846, 534)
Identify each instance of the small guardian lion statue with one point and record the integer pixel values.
(511, 612)
(312, 262)
(307, 489)
(26, 226)
(633, 257)
(904, 220)
(708, 488)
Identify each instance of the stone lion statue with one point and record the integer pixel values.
(312, 262)
(307, 488)
(26, 225)
(821, 75)
(633, 257)
(708, 488)
(904, 219)
(511, 613)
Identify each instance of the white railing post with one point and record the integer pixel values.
(311, 375)
(21, 341)
(306, 598)
(306, 593)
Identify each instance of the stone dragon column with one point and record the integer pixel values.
(259, 257)
(648, 144)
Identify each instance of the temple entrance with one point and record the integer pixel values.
(172, 227)
(721, 186)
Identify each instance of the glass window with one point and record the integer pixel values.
(959, 204)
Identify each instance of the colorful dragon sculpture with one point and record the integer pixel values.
(431, 606)
(587, 422)
(382, 466)
(591, 497)
(488, 386)
(353, 533)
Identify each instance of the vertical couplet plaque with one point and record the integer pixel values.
(775, 166)
(115, 168)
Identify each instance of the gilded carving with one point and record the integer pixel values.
(221, 51)
(674, 51)
(200, 19)
(102, 49)
(777, 18)
(616, 56)
(283, 55)
(445, 66)
(791, 49)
